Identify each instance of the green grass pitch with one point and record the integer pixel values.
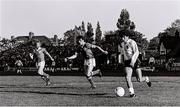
(75, 91)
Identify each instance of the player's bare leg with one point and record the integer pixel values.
(128, 71)
(93, 86)
(20, 71)
(88, 72)
(97, 72)
(141, 78)
(17, 71)
(44, 75)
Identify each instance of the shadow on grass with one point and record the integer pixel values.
(96, 95)
(44, 87)
(57, 93)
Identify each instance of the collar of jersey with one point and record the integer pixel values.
(39, 49)
(127, 41)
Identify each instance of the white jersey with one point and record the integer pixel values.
(129, 48)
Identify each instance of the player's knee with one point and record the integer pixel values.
(128, 78)
(40, 73)
(88, 77)
(88, 74)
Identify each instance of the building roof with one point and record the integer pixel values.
(43, 39)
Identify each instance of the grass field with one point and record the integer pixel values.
(75, 91)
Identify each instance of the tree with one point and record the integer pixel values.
(154, 43)
(132, 26)
(70, 35)
(175, 27)
(140, 40)
(125, 24)
(5, 41)
(83, 26)
(98, 34)
(176, 24)
(89, 34)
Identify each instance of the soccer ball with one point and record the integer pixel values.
(120, 91)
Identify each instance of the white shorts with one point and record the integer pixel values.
(90, 62)
(40, 66)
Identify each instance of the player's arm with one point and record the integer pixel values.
(98, 47)
(72, 57)
(136, 53)
(47, 53)
(21, 63)
(15, 63)
(32, 54)
(122, 52)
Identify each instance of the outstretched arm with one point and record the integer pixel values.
(71, 57)
(31, 55)
(47, 53)
(98, 47)
(103, 51)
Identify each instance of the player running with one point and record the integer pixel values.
(89, 61)
(40, 52)
(131, 62)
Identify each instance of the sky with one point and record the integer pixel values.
(50, 17)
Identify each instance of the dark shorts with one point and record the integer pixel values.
(151, 63)
(136, 65)
(18, 67)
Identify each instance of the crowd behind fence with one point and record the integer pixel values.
(21, 52)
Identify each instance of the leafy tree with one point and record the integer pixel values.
(176, 24)
(5, 41)
(98, 34)
(125, 24)
(132, 26)
(89, 34)
(70, 35)
(175, 27)
(83, 26)
(154, 43)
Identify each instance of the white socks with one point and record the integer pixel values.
(131, 90)
(147, 79)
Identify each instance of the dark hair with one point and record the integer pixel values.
(37, 41)
(79, 37)
(124, 33)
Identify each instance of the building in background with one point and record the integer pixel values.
(42, 38)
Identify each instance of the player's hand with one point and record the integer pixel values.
(31, 55)
(132, 64)
(53, 63)
(52, 60)
(66, 59)
(106, 52)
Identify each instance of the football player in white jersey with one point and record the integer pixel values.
(40, 53)
(131, 62)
